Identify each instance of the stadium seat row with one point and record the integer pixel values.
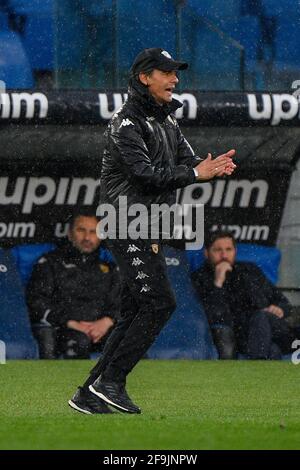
(186, 335)
(83, 31)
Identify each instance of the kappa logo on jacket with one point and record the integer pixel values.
(126, 122)
(171, 120)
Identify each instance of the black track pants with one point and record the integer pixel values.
(147, 302)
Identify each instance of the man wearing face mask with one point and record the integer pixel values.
(245, 311)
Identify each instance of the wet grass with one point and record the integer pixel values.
(186, 405)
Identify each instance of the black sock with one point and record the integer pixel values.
(91, 379)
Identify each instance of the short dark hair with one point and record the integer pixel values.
(211, 237)
(82, 211)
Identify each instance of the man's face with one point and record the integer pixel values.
(160, 84)
(83, 234)
(222, 249)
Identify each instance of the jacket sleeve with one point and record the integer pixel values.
(185, 155)
(40, 295)
(271, 292)
(128, 148)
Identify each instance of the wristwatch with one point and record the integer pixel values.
(196, 172)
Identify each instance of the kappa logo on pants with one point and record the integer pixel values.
(141, 275)
(132, 248)
(145, 288)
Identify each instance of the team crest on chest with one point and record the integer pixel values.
(104, 268)
(154, 248)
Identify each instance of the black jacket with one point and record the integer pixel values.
(67, 285)
(146, 156)
(245, 290)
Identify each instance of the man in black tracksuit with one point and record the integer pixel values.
(245, 311)
(73, 293)
(146, 159)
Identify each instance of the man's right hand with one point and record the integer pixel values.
(220, 166)
(221, 270)
(275, 310)
(84, 327)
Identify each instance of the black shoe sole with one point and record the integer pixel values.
(110, 402)
(77, 408)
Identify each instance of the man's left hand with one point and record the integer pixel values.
(277, 311)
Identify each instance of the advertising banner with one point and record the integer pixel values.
(199, 108)
(52, 144)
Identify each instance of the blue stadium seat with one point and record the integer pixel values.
(219, 65)
(3, 21)
(95, 8)
(144, 24)
(251, 7)
(246, 30)
(288, 8)
(15, 328)
(287, 44)
(216, 10)
(26, 256)
(15, 69)
(186, 335)
(265, 257)
(70, 31)
(216, 67)
(31, 6)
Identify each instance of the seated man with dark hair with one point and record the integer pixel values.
(246, 312)
(74, 292)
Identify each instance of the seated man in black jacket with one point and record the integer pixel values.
(244, 309)
(74, 292)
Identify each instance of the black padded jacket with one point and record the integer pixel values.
(67, 285)
(245, 291)
(146, 156)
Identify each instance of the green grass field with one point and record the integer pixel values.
(186, 405)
